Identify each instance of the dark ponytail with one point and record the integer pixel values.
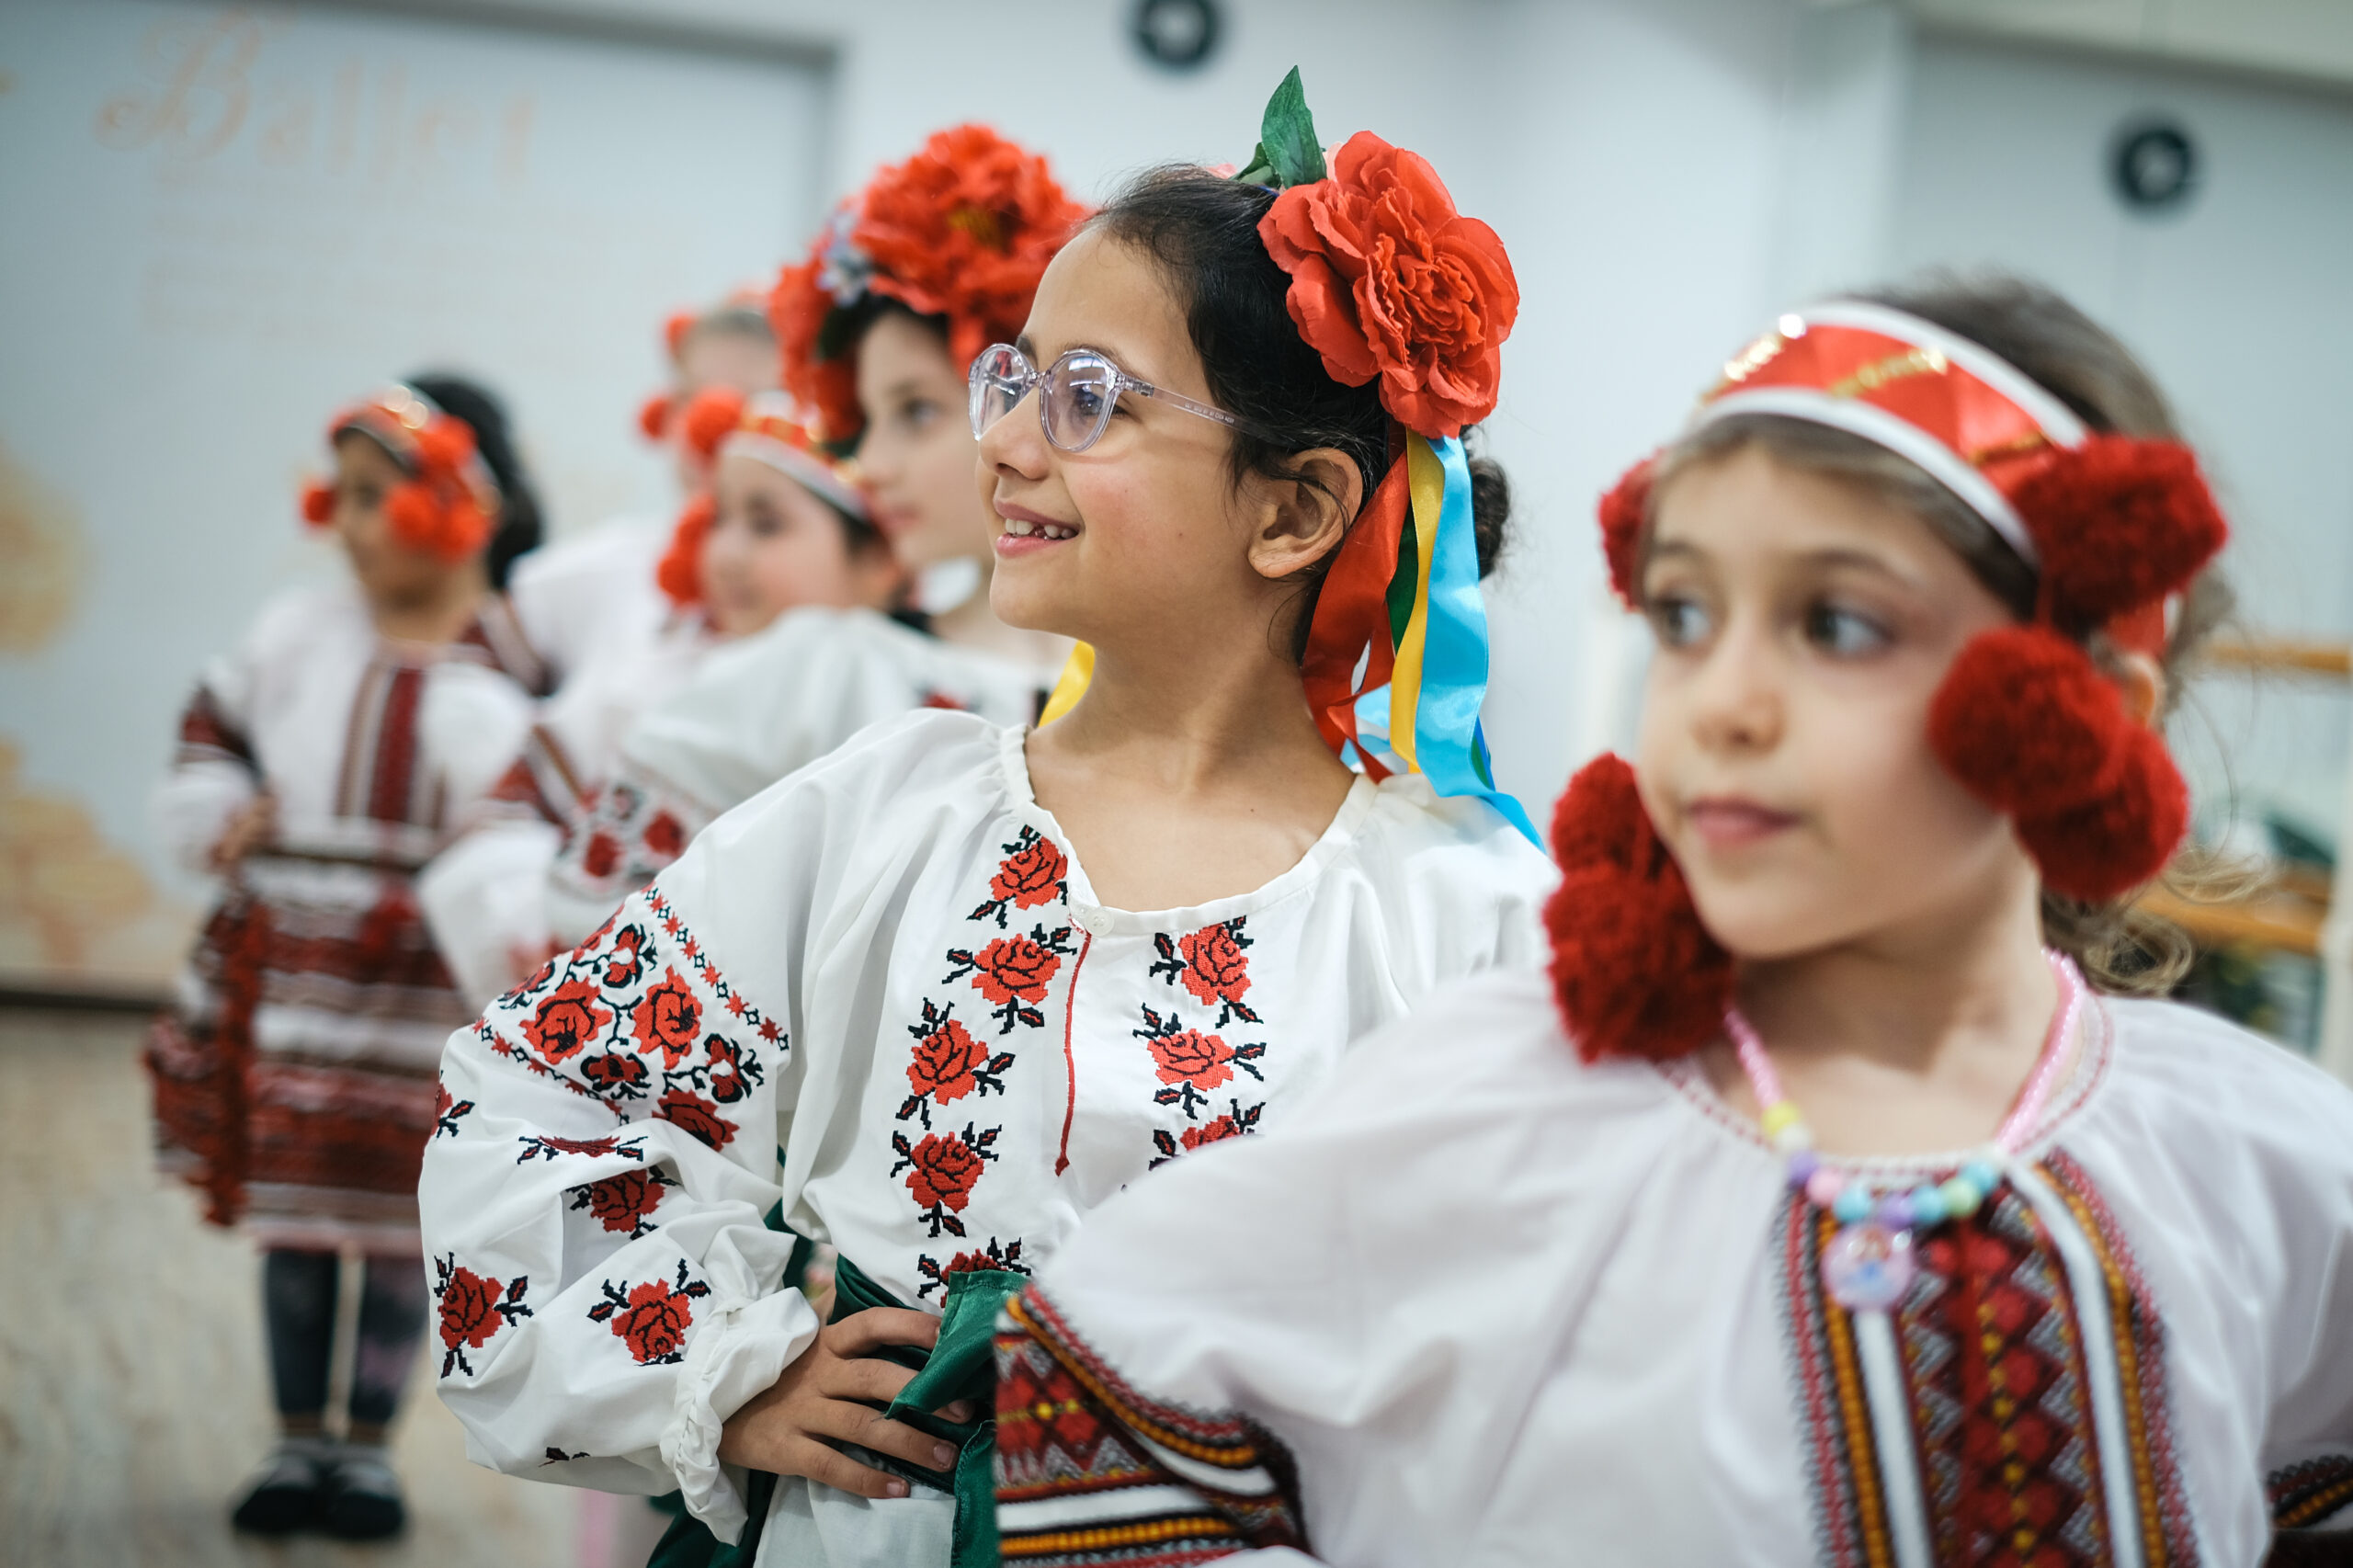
(520, 527)
(1203, 230)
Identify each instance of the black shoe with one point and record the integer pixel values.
(291, 1493)
(363, 1496)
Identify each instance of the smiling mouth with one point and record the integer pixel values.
(1038, 527)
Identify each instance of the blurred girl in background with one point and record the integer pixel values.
(938, 257)
(782, 527)
(320, 764)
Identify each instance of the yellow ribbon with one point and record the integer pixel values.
(1426, 483)
(1071, 685)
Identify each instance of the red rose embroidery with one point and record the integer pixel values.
(941, 1171)
(732, 1072)
(600, 855)
(625, 1202)
(626, 961)
(653, 1318)
(1212, 965)
(1192, 1060)
(666, 838)
(472, 1308)
(614, 1077)
(1006, 1259)
(1032, 873)
(668, 1019)
(948, 1063)
(540, 1147)
(1013, 972)
(697, 1116)
(566, 1022)
(1234, 1123)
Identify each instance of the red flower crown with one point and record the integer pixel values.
(2116, 528)
(962, 230)
(655, 414)
(448, 503)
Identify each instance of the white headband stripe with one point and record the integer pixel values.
(2058, 421)
(1894, 432)
(811, 474)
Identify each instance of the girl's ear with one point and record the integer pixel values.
(1300, 520)
(2142, 679)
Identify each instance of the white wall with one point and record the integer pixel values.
(216, 226)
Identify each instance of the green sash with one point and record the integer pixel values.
(961, 1366)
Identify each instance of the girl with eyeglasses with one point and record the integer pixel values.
(937, 995)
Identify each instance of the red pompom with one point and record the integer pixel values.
(2120, 522)
(708, 418)
(680, 572)
(2031, 727)
(318, 504)
(675, 331)
(440, 518)
(1635, 972)
(1624, 512)
(2026, 723)
(445, 444)
(654, 416)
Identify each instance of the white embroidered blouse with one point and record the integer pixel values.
(888, 972)
(754, 712)
(1527, 1302)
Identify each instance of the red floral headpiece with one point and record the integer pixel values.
(1387, 279)
(450, 502)
(2117, 527)
(962, 230)
(720, 422)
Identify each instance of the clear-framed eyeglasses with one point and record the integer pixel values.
(1075, 395)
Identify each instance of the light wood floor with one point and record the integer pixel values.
(133, 1396)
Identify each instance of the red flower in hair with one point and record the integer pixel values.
(680, 572)
(1387, 279)
(1636, 972)
(962, 229)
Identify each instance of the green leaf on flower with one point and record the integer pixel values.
(1288, 153)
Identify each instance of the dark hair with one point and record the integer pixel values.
(519, 527)
(736, 318)
(1203, 230)
(2083, 364)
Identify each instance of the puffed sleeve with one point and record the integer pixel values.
(212, 775)
(606, 1294)
(2308, 1447)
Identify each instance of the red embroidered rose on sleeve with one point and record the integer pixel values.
(697, 1116)
(567, 1022)
(652, 1319)
(668, 1019)
(473, 1309)
(624, 1203)
(601, 855)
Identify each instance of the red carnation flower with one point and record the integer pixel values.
(1387, 279)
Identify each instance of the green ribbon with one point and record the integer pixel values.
(962, 1365)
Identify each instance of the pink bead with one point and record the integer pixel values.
(1823, 1186)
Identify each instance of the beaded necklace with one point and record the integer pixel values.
(1869, 1264)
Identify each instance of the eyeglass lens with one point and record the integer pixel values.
(1077, 395)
